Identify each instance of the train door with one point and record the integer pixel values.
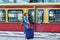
(39, 20)
(36, 19)
(31, 18)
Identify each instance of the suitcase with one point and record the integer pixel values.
(29, 33)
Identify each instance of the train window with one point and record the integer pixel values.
(2, 16)
(27, 1)
(6, 1)
(40, 16)
(44, 1)
(31, 16)
(34, 0)
(10, 1)
(41, 1)
(54, 16)
(51, 0)
(14, 15)
(51, 15)
(22, 1)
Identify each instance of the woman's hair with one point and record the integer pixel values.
(24, 14)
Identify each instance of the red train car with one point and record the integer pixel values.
(45, 17)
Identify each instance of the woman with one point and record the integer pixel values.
(25, 22)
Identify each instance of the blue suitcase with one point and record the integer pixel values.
(29, 33)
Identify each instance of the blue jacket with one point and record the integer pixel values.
(25, 21)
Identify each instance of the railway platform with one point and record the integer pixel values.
(13, 35)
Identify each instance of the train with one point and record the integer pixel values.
(43, 17)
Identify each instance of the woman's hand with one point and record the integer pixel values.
(28, 23)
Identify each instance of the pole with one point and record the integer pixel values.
(35, 16)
